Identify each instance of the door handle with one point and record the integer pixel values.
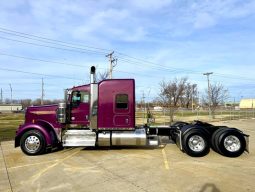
(126, 121)
(86, 117)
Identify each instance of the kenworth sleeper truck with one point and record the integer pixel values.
(103, 114)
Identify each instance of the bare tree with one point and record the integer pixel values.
(36, 102)
(190, 94)
(218, 94)
(171, 93)
(7, 101)
(26, 103)
(102, 76)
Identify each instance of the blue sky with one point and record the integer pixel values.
(175, 38)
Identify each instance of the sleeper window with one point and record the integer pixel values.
(121, 101)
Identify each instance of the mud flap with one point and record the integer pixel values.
(16, 142)
(179, 140)
(247, 142)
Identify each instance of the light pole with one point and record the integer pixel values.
(209, 93)
(252, 108)
(192, 97)
(11, 95)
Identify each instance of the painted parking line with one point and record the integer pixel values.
(165, 159)
(44, 162)
(38, 175)
(32, 164)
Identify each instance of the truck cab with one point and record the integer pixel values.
(88, 110)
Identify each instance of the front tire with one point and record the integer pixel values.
(33, 143)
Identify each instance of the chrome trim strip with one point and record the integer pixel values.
(116, 128)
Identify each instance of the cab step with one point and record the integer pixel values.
(79, 138)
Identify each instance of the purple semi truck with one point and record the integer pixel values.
(103, 114)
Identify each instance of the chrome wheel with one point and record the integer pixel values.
(232, 143)
(196, 143)
(32, 143)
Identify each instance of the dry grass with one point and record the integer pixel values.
(9, 124)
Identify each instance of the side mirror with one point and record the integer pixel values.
(68, 94)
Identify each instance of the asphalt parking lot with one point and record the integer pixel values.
(128, 169)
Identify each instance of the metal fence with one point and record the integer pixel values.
(163, 117)
(221, 114)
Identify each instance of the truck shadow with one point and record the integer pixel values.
(120, 148)
(163, 140)
(209, 187)
(96, 148)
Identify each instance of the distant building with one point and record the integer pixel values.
(158, 108)
(247, 104)
(5, 108)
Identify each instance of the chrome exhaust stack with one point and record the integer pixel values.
(93, 98)
(93, 74)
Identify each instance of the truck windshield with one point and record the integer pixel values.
(80, 97)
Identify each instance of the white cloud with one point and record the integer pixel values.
(204, 20)
(208, 13)
(150, 5)
(169, 32)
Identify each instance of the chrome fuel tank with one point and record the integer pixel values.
(129, 138)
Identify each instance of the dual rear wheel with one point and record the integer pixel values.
(229, 142)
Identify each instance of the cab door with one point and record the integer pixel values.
(80, 108)
(121, 116)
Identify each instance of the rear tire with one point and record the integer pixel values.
(231, 143)
(215, 138)
(33, 142)
(195, 143)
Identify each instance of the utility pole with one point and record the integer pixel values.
(112, 65)
(192, 96)
(143, 103)
(11, 95)
(192, 99)
(209, 92)
(42, 94)
(1, 95)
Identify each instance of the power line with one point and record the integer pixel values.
(33, 73)
(41, 60)
(64, 63)
(102, 51)
(174, 69)
(140, 60)
(61, 43)
(48, 46)
(155, 65)
(123, 60)
(53, 40)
